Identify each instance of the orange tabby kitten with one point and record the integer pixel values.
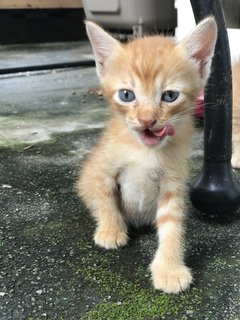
(137, 172)
(236, 115)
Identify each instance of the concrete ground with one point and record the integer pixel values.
(49, 265)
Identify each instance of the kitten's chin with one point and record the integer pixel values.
(155, 138)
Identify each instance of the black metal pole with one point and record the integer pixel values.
(216, 190)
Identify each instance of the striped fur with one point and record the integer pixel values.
(126, 180)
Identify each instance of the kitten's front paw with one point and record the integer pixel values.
(235, 160)
(170, 279)
(110, 238)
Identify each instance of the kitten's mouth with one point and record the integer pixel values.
(152, 138)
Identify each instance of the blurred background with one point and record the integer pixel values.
(34, 21)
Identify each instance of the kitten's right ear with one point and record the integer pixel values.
(103, 45)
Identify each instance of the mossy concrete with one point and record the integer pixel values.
(35, 106)
(49, 266)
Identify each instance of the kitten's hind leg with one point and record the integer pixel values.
(169, 272)
(235, 161)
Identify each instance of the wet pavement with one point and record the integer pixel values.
(18, 55)
(49, 265)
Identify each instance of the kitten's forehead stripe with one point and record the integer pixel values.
(148, 58)
(152, 57)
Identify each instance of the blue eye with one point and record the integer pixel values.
(169, 96)
(126, 95)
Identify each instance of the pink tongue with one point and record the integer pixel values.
(168, 130)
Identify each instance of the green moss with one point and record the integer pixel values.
(218, 263)
(12, 144)
(60, 143)
(137, 303)
(119, 296)
(124, 296)
(20, 146)
(43, 230)
(133, 301)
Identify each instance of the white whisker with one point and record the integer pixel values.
(119, 136)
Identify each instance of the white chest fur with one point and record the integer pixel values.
(139, 192)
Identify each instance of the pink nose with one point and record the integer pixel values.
(147, 122)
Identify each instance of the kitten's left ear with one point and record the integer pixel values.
(200, 45)
(103, 46)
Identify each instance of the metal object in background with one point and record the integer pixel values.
(216, 190)
(140, 16)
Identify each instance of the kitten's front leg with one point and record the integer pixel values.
(111, 231)
(169, 272)
(100, 194)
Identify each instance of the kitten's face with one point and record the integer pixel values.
(153, 82)
(153, 85)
